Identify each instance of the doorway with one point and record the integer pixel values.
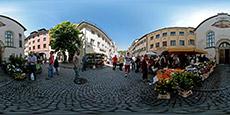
(224, 53)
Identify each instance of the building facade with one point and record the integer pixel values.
(38, 42)
(213, 35)
(11, 38)
(139, 46)
(96, 41)
(162, 39)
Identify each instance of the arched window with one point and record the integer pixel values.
(224, 45)
(9, 38)
(210, 39)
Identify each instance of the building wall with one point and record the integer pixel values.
(148, 42)
(16, 28)
(95, 40)
(221, 33)
(35, 39)
(153, 38)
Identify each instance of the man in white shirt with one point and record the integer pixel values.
(128, 60)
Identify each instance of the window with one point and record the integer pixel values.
(92, 42)
(164, 34)
(92, 32)
(33, 41)
(164, 43)
(44, 45)
(158, 36)
(44, 39)
(38, 40)
(38, 46)
(224, 45)
(98, 44)
(191, 42)
(172, 33)
(29, 43)
(151, 46)
(210, 39)
(181, 42)
(33, 47)
(20, 40)
(173, 42)
(29, 48)
(191, 32)
(151, 38)
(181, 33)
(98, 35)
(9, 38)
(157, 44)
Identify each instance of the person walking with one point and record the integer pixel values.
(121, 62)
(137, 62)
(84, 62)
(32, 60)
(51, 65)
(76, 68)
(128, 60)
(56, 66)
(144, 68)
(114, 61)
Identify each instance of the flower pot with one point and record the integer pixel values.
(163, 96)
(184, 93)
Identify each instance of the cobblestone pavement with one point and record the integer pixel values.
(109, 92)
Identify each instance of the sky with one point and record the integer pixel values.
(122, 20)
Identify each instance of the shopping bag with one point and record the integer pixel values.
(155, 79)
(32, 76)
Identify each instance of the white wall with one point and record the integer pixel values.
(220, 33)
(16, 29)
(94, 47)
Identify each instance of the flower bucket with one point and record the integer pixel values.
(164, 96)
(184, 93)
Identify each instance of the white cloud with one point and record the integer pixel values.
(194, 16)
(8, 10)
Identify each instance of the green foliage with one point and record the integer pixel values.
(164, 86)
(183, 80)
(122, 52)
(65, 37)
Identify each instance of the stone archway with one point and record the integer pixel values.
(223, 51)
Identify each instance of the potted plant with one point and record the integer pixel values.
(184, 83)
(164, 87)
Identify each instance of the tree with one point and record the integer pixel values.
(65, 37)
(122, 52)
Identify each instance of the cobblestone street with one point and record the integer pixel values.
(108, 91)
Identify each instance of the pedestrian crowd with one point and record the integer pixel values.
(149, 64)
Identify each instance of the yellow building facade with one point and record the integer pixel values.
(163, 39)
(172, 37)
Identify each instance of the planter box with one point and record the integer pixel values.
(163, 96)
(185, 93)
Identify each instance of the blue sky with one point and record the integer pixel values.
(122, 20)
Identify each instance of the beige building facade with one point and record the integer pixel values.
(162, 39)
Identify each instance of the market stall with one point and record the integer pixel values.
(181, 81)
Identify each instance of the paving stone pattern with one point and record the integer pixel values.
(107, 92)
